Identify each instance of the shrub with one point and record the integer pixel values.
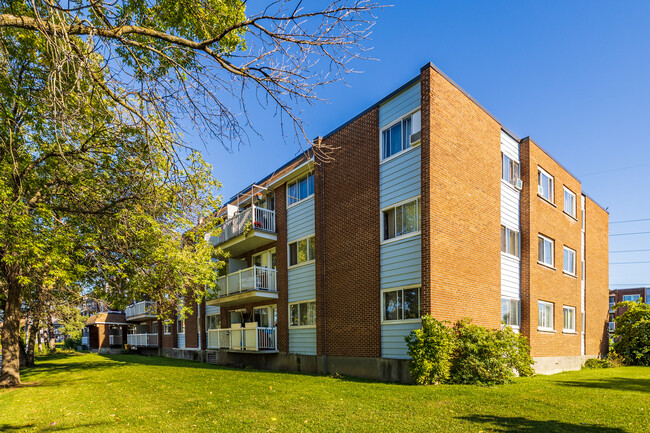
(632, 334)
(597, 363)
(71, 343)
(430, 349)
(467, 354)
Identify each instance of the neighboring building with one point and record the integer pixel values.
(633, 294)
(105, 332)
(430, 206)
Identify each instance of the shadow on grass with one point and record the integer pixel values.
(51, 427)
(613, 383)
(520, 424)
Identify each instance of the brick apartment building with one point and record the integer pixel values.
(430, 206)
(632, 294)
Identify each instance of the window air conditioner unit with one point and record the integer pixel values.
(415, 137)
(519, 184)
(540, 190)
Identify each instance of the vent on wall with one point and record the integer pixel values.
(212, 358)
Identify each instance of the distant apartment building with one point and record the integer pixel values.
(632, 294)
(430, 206)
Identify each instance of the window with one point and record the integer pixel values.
(632, 298)
(569, 202)
(510, 312)
(402, 219)
(545, 184)
(167, 328)
(401, 304)
(545, 318)
(154, 328)
(300, 189)
(302, 251)
(569, 261)
(611, 303)
(180, 326)
(401, 135)
(647, 296)
(509, 170)
(569, 319)
(213, 321)
(510, 241)
(302, 314)
(545, 250)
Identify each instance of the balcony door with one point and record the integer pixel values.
(266, 317)
(265, 259)
(264, 279)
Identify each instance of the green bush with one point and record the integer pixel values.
(71, 343)
(632, 334)
(467, 354)
(430, 349)
(597, 363)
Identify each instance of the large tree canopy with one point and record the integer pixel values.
(97, 188)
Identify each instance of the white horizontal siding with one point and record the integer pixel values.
(510, 279)
(509, 146)
(393, 344)
(181, 341)
(302, 341)
(300, 220)
(211, 309)
(401, 263)
(302, 283)
(509, 206)
(399, 178)
(399, 105)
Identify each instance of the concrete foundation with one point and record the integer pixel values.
(558, 364)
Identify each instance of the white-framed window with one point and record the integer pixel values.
(510, 241)
(401, 219)
(647, 296)
(400, 304)
(510, 170)
(545, 316)
(632, 298)
(400, 135)
(545, 184)
(569, 265)
(167, 328)
(302, 314)
(545, 249)
(302, 251)
(300, 189)
(180, 326)
(569, 319)
(510, 312)
(611, 303)
(213, 321)
(570, 204)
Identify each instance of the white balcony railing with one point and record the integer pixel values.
(258, 217)
(143, 308)
(251, 338)
(255, 278)
(142, 340)
(115, 340)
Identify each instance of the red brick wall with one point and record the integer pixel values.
(539, 282)
(461, 205)
(191, 326)
(597, 278)
(348, 320)
(281, 263)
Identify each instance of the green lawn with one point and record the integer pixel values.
(133, 393)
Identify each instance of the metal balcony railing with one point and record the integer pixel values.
(253, 218)
(115, 340)
(143, 308)
(254, 278)
(142, 340)
(251, 338)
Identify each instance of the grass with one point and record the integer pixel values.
(89, 392)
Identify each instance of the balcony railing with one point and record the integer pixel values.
(142, 340)
(255, 278)
(115, 340)
(144, 308)
(259, 218)
(252, 338)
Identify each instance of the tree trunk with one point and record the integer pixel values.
(50, 333)
(10, 373)
(22, 358)
(33, 331)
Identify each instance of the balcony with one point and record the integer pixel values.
(114, 340)
(246, 230)
(141, 311)
(255, 284)
(142, 340)
(251, 338)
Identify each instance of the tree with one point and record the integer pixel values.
(632, 333)
(97, 186)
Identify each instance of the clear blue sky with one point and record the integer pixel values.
(573, 75)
